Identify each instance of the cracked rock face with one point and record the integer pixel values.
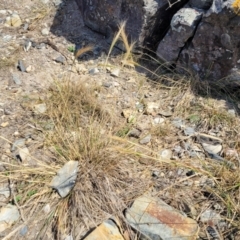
(183, 25)
(146, 20)
(215, 48)
(202, 35)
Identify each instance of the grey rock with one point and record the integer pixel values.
(8, 215)
(156, 220)
(165, 113)
(20, 143)
(21, 66)
(65, 179)
(40, 108)
(93, 71)
(7, 38)
(60, 59)
(146, 139)
(115, 72)
(107, 84)
(24, 155)
(27, 45)
(57, 2)
(189, 131)
(183, 26)
(178, 122)
(165, 154)
(16, 79)
(23, 230)
(134, 133)
(5, 190)
(219, 25)
(210, 216)
(158, 120)
(201, 4)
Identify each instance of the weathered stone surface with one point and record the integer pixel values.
(201, 4)
(183, 25)
(65, 179)
(157, 220)
(144, 17)
(215, 48)
(107, 231)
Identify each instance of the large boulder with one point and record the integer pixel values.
(210, 47)
(147, 21)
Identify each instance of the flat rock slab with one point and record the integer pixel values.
(156, 220)
(65, 179)
(108, 230)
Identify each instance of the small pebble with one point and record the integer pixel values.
(45, 31)
(146, 139)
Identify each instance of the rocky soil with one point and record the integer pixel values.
(166, 156)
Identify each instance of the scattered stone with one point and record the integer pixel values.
(23, 230)
(5, 190)
(8, 215)
(27, 45)
(24, 155)
(4, 124)
(212, 149)
(25, 27)
(232, 112)
(65, 179)
(189, 131)
(129, 114)
(45, 31)
(20, 143)
(158, 120)
(146, 139)
(93, 71)
(107, 84)
(14, 20)
(7, 38)
(165, 154)
(165, 113)
(178, 122)
(21, 66)
(210, 217)
(69, 237)
(154, 219)
(3, 12)
(108, 230)
(151, 108)
(115, 72)
(40, 108)
(29, 69)
(47, 208)
(134, 133)
(60, 59)
(81, 68)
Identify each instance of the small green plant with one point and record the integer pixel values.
(71, 48)
(31, 192)
(18, 198)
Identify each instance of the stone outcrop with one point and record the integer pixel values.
(203, 35)
(147, 20)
